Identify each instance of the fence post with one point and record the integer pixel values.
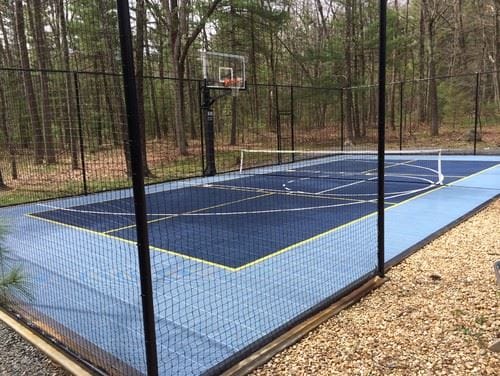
(80, 132)
(136, 154)
(202, 130)
(292, 122)
(381, 138)
(476, 111)
(342, 119)
(401, 93)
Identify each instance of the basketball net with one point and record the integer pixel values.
(234, 85)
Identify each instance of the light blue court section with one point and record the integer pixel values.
(409, 223)
(205, 314)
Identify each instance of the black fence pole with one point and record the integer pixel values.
(401, 93)
(292, 121)
(342, 119)
(202, 130)
(279, 145)
(381, 137)
(80, 133)
(476, 111)
(137, 165)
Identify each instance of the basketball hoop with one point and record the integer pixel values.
(223, 71)
(234, 84)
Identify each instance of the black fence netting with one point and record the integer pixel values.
(237, 256)
(246, 238)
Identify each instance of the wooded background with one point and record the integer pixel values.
(55, 114)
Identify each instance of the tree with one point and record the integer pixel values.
(3, 186)
(44, 63)
(432, 12)
(71, 133)
(181, 38)
(139, 73)
(348, 45)
(116, 103)
(38, 137)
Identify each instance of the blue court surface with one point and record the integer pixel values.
(237, 256)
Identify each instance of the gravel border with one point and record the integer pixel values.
(18, 357)
(435, 315)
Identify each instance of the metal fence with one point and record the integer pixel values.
(79, 136)
(67, 167)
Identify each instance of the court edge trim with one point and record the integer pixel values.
(277, 253)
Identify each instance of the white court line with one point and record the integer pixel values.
(344, 186)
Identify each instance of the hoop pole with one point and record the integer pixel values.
(208, 125)
(381, 137)
(134, 138)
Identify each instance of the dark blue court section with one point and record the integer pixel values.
(236, 222)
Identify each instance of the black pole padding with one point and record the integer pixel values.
(476, 111)
(381, 137)
(342, 119)
(209, 133)
(401, 112)
(137, 165)
(80, 133)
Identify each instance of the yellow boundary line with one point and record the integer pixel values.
(271, 255)
(130, 242)
(45, 347)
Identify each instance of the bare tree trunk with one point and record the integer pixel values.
(43, 63)
(7, 135)
(3, 186)
(191, 103)
(116, 98)
(70, 107)
(497, 52)
(154, 105)
(28, 84)
(395, 66)
(253, 70)
(139, 57)
(421, 67)
(180, 108)
(433, 95)
(348, 61)
(181, 39)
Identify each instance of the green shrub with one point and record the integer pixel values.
(12, 278)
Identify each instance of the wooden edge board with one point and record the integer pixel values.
(55, 354)
(291, 337)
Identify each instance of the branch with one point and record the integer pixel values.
(296, 58)
(198, 29)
